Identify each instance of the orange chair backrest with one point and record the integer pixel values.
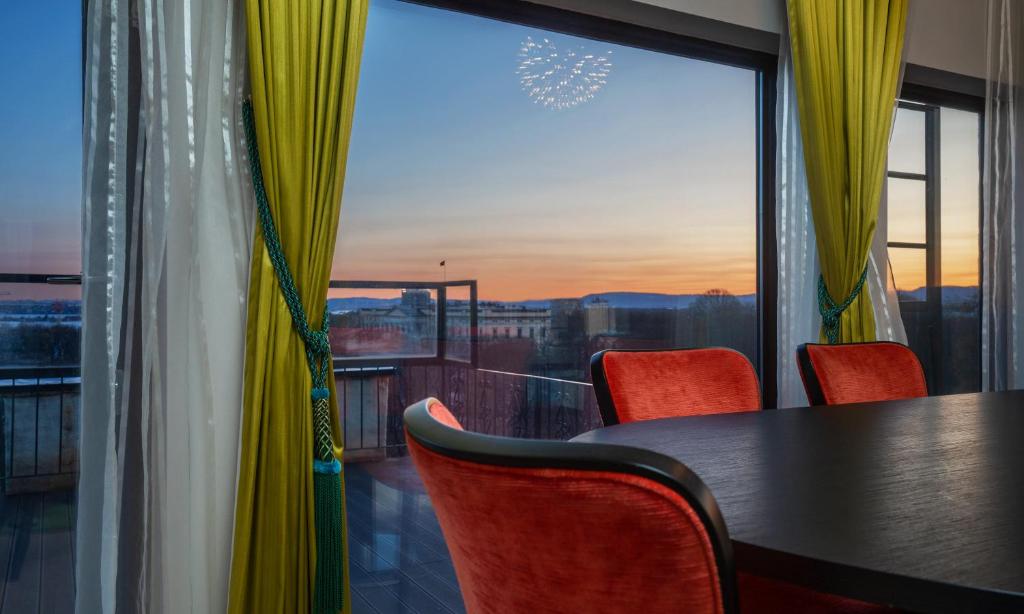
(549, 526)
(860, 372)
(644, 385)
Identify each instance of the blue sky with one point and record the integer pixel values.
(41, 137)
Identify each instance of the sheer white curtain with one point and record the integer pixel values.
(798, 317)
(1002, 338)
(167, 223)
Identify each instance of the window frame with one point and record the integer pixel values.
(701, 38)
(930, 100)
(764, 66)
(932, 209)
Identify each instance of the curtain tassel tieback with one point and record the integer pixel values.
(328, 587)
(830, 311)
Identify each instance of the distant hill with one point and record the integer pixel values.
(44, 306)
(639, 300)
(651, 300)
(950, 294)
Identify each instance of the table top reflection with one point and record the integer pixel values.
(916, 503)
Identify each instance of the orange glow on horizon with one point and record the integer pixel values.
(531, 280)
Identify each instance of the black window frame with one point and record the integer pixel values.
(929, 100)
(931, 177)
(764, 66)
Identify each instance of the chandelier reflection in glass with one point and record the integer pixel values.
(560, 79)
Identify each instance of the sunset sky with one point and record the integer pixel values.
(649, 186)
(41, 137)
(959, 176)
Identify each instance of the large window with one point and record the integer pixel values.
(40, 312)
(40, 171)
(934, 247)
(598, 195)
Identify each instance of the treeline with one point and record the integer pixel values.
(40, 345)
(41, 307)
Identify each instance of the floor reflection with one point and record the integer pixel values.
(36, 551)
(398, 559)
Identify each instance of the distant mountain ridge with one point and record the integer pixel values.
(636, 300)
(950, 294)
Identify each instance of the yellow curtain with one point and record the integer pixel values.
(846, 59)
(304, 65)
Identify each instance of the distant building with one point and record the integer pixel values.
(599, 318)
(415, 300)
(414, 322)
(511, 321)
(564, 355)
(564, 314)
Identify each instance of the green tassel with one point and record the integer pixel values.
(328, 592)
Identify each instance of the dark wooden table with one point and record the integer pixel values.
(916, 503)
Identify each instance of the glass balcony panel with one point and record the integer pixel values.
(458, 315)
(961, 306)
(383, 323)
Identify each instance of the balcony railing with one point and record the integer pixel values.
(39, 402)
(422, 341)
(371, 401)
(39, 410)
(435, 352)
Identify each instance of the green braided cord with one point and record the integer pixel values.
(317, 344)
(322, 427)
(830, 312)
(329, 581)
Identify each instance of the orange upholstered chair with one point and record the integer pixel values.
(860, 372)
(643, 385)
(551, 526)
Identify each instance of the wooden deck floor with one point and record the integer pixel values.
(399, 561)
(36, 552)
